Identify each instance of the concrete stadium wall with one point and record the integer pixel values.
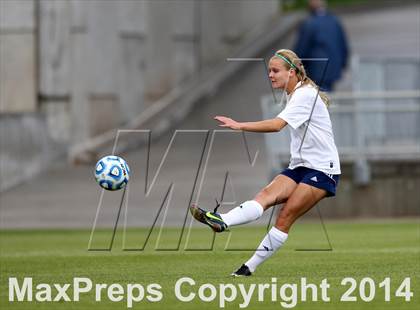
(26, 148)
(18, 64)
(84, 67)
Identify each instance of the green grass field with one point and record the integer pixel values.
(377, 249)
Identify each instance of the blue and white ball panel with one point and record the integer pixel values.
(100, 167)
(115, 172)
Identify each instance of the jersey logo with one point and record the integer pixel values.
(314, 179)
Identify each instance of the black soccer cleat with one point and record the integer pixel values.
(243, 271)
(212, 219)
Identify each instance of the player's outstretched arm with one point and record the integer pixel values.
(269, 125)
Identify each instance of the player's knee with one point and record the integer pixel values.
(264, 197)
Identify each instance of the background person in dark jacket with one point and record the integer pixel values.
(322, 36)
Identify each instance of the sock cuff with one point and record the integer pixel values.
(278, 234)
(254, 204)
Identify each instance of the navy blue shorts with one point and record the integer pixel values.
(314, 178)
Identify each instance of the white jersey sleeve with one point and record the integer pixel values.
(299, 108)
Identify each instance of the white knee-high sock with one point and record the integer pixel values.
(247, 212)
(270, 244)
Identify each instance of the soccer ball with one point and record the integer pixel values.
(112, 172)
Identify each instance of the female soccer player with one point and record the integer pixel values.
(314, 167)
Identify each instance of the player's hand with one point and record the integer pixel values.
(228, 122)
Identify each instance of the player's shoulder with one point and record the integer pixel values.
(306, 90)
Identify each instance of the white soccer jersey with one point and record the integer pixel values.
(315, 149)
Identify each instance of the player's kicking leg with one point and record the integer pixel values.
(275, 192)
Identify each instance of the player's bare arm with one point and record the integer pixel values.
(269, 125)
